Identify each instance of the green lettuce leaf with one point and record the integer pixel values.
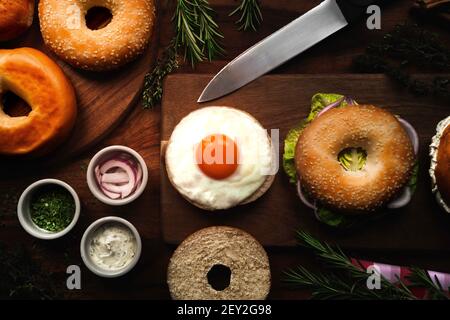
(331, 218)
(414, 176)
(318, 102)
(289, 153)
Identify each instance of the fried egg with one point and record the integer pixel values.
(218, 157)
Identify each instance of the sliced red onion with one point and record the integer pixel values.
(350, 101)
(402, 200)
(115, 177)
(118, 177)
(331, 106)
(138, 178)
(412, 133)
(109, 194)
(303, 197)
(98, 175)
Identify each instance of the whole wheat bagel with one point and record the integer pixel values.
(230, 247)
(390, 158)
(64, 29)
(34, 77)
(16, 16)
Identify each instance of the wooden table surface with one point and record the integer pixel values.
(141, 131)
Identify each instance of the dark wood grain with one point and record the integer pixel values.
(140, 130)
(281, 102)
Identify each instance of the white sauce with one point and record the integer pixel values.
(112, 247)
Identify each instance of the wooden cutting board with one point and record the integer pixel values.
(103, 98)
(281, 102)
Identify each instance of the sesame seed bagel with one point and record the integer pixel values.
(64, 29)
(39, 81)
(247, 260)
(16, 16)
(390, 158)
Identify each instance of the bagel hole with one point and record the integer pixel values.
(14, 106)
(353, 159)
(98, 17)
(219, 277)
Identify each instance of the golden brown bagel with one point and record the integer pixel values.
(230, 247)
(34, 77)
(390, 158)
(16, 16)
(64, 30)
(442, 170)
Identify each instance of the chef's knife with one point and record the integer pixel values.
(320, 22)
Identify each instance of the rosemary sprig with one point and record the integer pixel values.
(421, 278)
(336, 259)
(153, 81)
(196, 31)
(250, 15)
(328, 286)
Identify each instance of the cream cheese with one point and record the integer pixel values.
(113, 247)
(433, 153)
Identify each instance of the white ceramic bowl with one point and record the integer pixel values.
(92, 182)
(86, 240)
(24, 214)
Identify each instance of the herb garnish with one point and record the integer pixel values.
(153, 82)
(405, 46)
(197, 31)
(346, 280)
(52, 208)
(251, 15)
(22, 278)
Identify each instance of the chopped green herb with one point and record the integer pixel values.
(52, 208)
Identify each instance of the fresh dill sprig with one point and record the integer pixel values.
(196, 31)
(250, 15)
(153, 81)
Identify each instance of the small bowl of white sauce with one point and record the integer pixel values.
(111, 247)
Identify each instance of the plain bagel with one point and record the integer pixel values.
(39, 81)
(241, 253)
(64, 29)
(443, 166)
(16, 16)
(440, 164)
(390, 158)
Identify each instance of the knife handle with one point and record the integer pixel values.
(354, 9)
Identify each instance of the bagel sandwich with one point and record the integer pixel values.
(220, 157)
(440, 164)
(349, 160)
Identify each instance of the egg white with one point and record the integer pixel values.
(254, 150)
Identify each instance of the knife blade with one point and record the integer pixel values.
(312, 27)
